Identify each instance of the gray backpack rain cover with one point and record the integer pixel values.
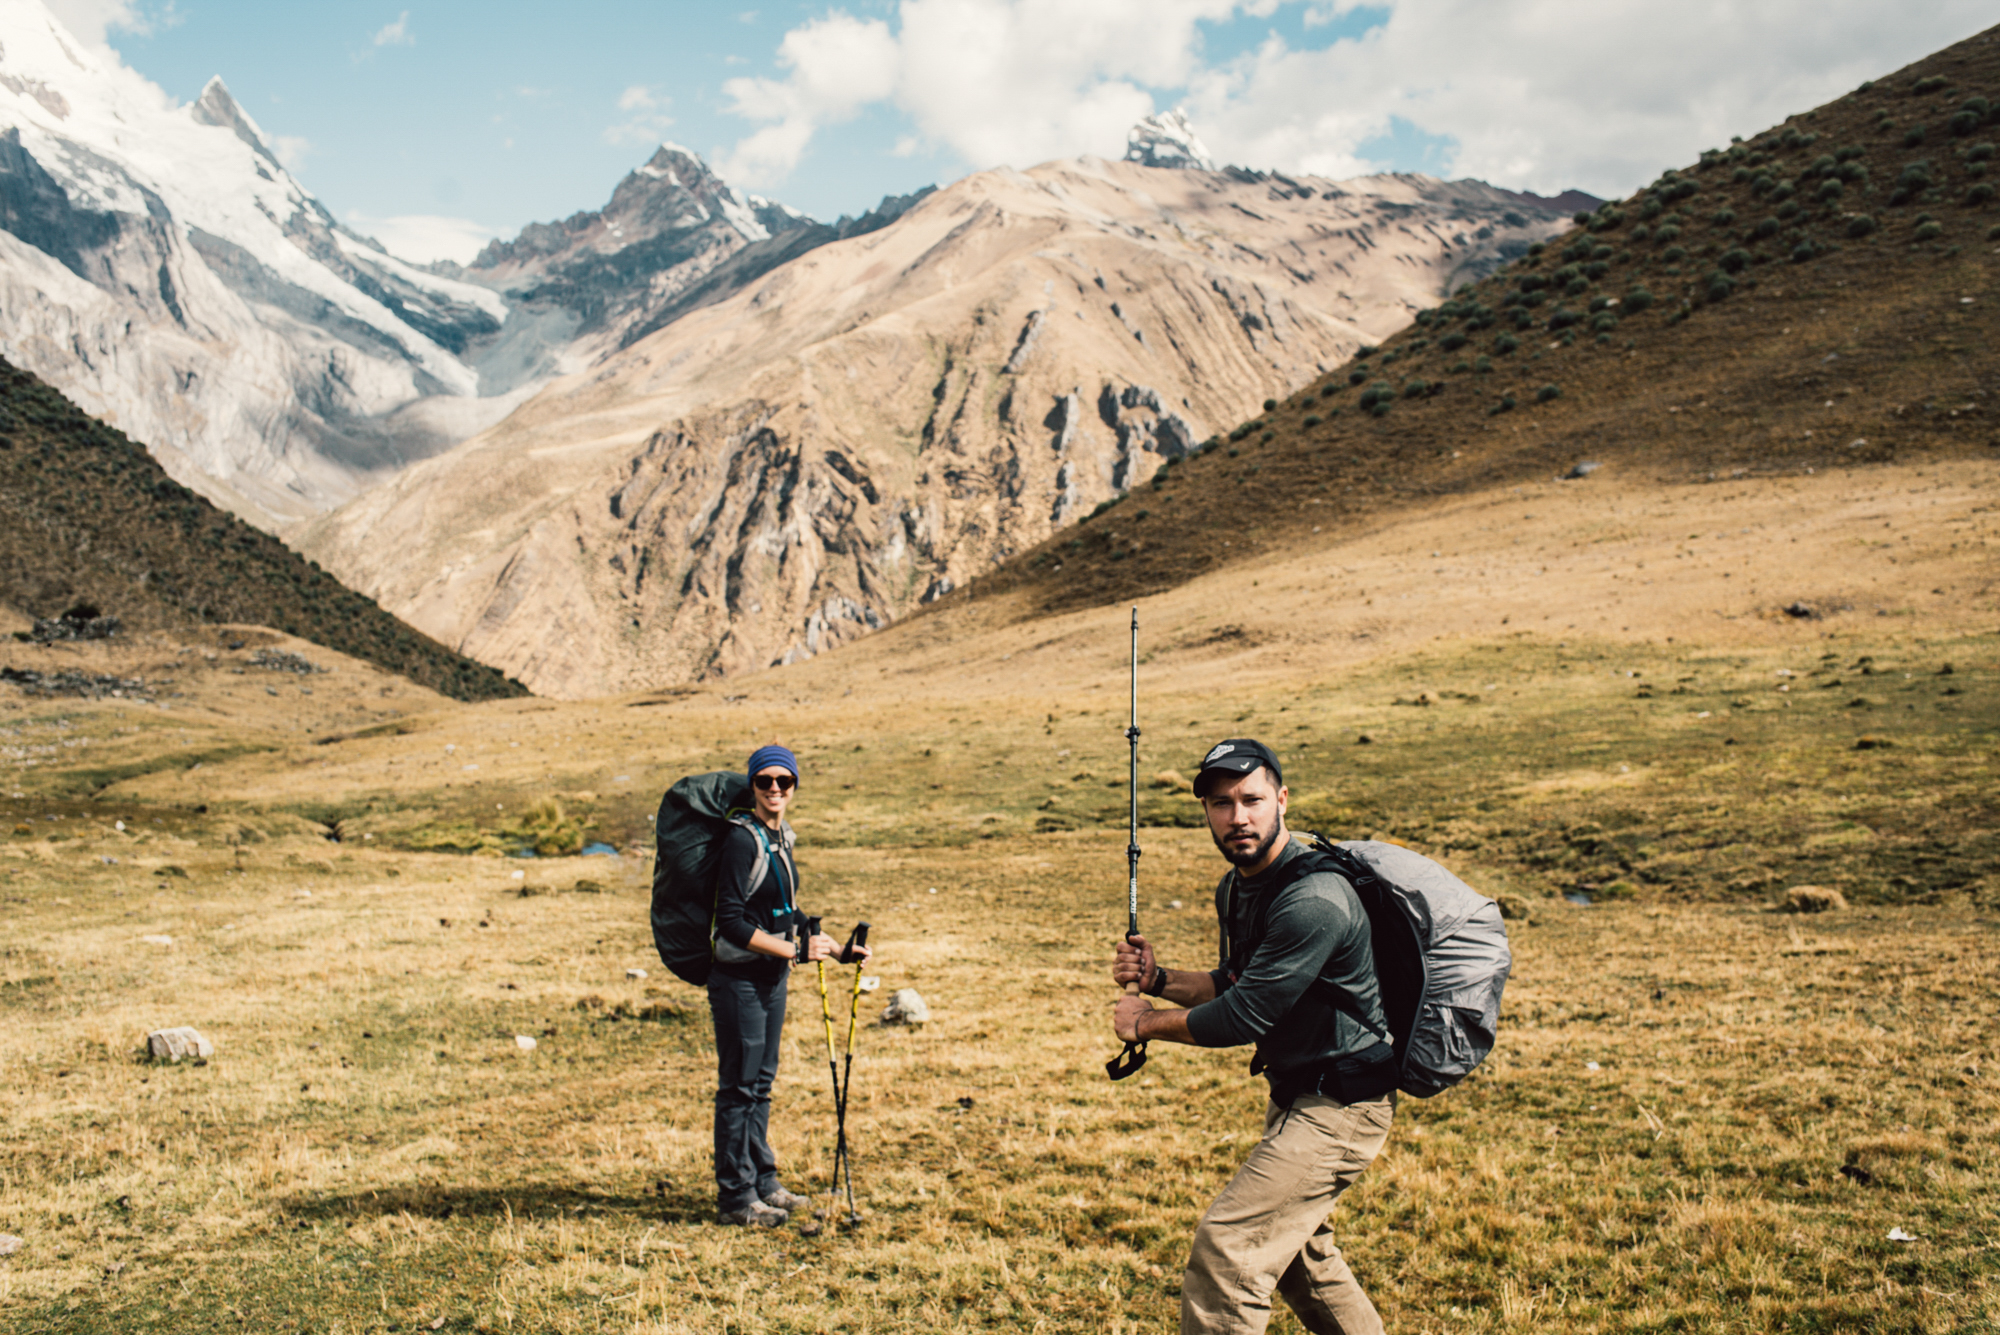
(1441, 957)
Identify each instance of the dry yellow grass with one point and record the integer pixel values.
(370, 1148)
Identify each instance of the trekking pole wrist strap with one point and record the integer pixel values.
(1158, 987)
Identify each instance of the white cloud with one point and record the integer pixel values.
(646, 119)
(292, 150)
(1537, 94)
(94, 20)
(838, 64)
(424, 237)
(397, 33)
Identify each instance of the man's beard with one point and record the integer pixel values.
(1254, 856)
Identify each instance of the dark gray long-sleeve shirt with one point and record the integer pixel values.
(741, 911)
(1316, 932)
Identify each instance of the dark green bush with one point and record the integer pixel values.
(1453, 341)
(1270, 405)
(1929, 84)
(1720, 285)
(1638, 299)
(1929, 231)
(1547, 392)
(1356, 377)
(1860, 225)
(1416, 389)
(1849, 153)
(1605, 322)
(1673, 254)
(1642, 233)
(1594, 270)
(1577, 287)
(1666, 233)
(1914, 136)
(1765, 230)
(1963, 123)
(1979, 153)
(1562, 317)
(1329, 390)
(1734, 260)
(1313, 419)
(1853, 172)
(1483, 366)
(1373, 395)
(1828, 191)
(1533, 282)
(1506, 404)
(1982, 193)
(1723, 217)
(1504, 344)
(1366, 350)
(1789, 211)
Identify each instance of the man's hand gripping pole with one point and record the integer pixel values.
(1134, 1055)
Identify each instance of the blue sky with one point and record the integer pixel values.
(442, 120)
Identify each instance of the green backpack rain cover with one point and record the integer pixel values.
(693, 818)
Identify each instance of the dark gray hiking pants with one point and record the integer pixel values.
(748, 1019)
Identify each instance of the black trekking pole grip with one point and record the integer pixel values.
(857, 937)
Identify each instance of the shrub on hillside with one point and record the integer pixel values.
(1720, 285)
(1270, 405)
(1734, 260)
(1963, 123)
(1723, 217)
(1765, 230)
(1638, 299)
(1929, 231)
(1416, 389)
(1829, 191)
(1356, 377)
(1914, 135)
(1453, 341)
(1504, 344)
(1562, 317)
(1982, 193)
(1673, 254)
(1506, 404)
(1546, 393)
(1642, 233)
(1593, 271)
(1605, 322)
(1860, 225)
(1312, 419)
(1979, 153)
(1928, 84)
(1375, 394)
(1483, 365)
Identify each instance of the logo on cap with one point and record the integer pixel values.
(1215, 755)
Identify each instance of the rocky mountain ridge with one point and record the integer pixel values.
(865, 427)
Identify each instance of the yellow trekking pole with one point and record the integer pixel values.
(846, 1082)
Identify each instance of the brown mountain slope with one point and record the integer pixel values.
(88, 516)
(882, 419)
(1815, 297)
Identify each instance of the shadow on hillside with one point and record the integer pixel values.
(668, 1202)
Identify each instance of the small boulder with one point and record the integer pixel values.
(9, 1244)
(906, 1007)
(170, 1045)
(1814, 899)
(1513, 907)
(1582, 470)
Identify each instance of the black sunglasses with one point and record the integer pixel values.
(782, 782)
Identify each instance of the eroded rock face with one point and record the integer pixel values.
(874, 423)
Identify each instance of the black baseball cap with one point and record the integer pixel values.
(1236, 757)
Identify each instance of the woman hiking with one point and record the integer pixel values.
(759, 936)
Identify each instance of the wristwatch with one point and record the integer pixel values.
(1159, 987)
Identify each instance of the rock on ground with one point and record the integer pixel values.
(1813, 899)
(906, 1007)
(170, 1045)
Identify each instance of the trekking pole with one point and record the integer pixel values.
(1134, 1055)
(859, 937)
(832, 1068)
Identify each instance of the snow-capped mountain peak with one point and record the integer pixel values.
(1167, 139)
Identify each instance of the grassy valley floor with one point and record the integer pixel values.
(1705, 1114)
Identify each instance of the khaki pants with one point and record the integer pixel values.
(1269, 1228)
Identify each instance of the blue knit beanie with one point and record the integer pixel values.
(766, 756)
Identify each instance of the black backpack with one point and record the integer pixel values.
(688, 833)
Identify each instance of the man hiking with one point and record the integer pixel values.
(758, 936)
(1297, 979)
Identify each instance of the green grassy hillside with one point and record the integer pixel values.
(1816, 296)
(88, 516)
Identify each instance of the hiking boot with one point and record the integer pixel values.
(780, 1199)
(754, 1215)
